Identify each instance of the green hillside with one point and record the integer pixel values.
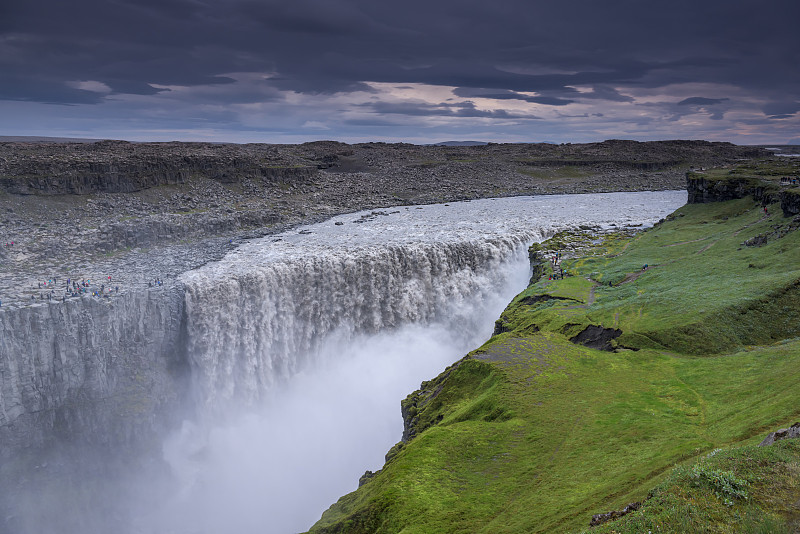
(533, 432)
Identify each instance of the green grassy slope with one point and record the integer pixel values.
(533, 433)
(732, 491)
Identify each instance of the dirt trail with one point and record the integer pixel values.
(746, 226)
(706, 248)
(685, 242)
(590, 300)
(630, 277)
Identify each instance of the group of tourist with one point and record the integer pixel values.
(51, 290)
(558, 271)
(74, 288)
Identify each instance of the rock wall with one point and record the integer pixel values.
(703, 189)
(85, 177)
(790, 202)
(101, 371)
(118, 166)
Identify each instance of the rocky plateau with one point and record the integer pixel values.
(144, 211)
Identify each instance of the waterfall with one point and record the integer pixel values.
(299, 363)
(249, 329)
(293, 353)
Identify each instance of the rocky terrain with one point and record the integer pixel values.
(144, 211)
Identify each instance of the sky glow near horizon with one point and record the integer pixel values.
(354, 70)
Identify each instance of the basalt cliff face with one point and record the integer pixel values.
(120, 167)
(703, 189)
(790, 202)
(98, 371)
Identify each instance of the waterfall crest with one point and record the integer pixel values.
(247, 330)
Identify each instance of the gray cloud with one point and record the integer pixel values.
(700, 101)
(463, 109)
(505, 94)
(330, 45)
(576, 51)
(781, 110)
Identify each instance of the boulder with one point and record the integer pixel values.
(784, 433)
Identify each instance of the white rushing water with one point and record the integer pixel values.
(303, 344)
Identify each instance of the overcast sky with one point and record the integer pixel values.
(418, 70)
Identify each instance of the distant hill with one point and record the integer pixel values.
(460, 143)
(783, 150)
(35, 139)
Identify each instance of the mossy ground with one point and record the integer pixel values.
(741, 490)
(533, 433)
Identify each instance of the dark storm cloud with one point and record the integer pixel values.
(700, 101)
(548, 54)
(331, 45)
(699, 104)
(40, 89)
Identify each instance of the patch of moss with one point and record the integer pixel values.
(740, 490)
